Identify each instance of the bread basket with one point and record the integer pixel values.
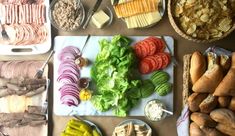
(184, 35)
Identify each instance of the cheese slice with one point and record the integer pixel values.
(100, 18)
(120, 1)
(136, 7)
(143, 20)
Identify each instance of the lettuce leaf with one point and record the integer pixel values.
(112, 73)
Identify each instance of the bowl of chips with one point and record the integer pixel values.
(202, 21)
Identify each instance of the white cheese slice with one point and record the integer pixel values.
(143, 20)
(153, 17)
(100, 18)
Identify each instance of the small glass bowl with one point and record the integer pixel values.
(82, 10)
(155, 101)
(109, 12)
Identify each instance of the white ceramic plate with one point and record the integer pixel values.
(135, 122)
(96, 127)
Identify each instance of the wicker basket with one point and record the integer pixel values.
(181, 33)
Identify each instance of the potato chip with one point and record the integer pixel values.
(225, 24)
(178, 9)
(205, 19)
(192, 28)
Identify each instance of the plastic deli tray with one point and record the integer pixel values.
(28, 15)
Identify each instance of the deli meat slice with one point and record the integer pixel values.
(15, 69)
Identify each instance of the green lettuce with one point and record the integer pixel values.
(113, 75)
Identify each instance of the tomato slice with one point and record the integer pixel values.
(166, 59)
(137, 51)
(158, 58)
(144, 50)
(144, 67)
(159, 43)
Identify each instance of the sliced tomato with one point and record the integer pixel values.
(166, 59)
(146, 45)
(154, 62)
(152, 46)
(159, 43)
(138, 51)
(158, 58)
(144, 50)
(144, 67)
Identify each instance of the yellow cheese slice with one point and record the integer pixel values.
(121, 1)
(136, 7)
(143, 20)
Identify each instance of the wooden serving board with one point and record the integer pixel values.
(90, 52)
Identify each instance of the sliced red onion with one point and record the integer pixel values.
(74, 85)
(69, 52)
(70, 100)
(66, 56)
(63, 67)
(69, 75)
(73, 48)
(69, 69)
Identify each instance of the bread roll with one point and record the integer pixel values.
(209, 81)
(202, 119)
(208, 104)
(232, 104)
(195, 130)
(226, 129)
(224, 116)
(211, 132)
(197, 66)
(233, 60)
(194, 101)
(225, 62)
(227, 85)
(224, 101)
(212, 59)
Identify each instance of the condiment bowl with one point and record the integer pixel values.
(81, 11)
(151, 110)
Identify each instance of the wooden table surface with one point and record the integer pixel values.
(166, 127)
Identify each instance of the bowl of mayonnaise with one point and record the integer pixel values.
(153, 110)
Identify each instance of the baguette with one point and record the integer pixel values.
(225, 62)
(202, 119)
(194, 130)
(211, 131)
(233, 60)
(224, 116)
(227, 85)
(212, 59)
(232, 104)
(208, 104)
(194, 101)
(197, 66)
(209, 81)
(224, 101)
(226, 129)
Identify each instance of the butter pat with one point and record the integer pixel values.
(100, 18)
